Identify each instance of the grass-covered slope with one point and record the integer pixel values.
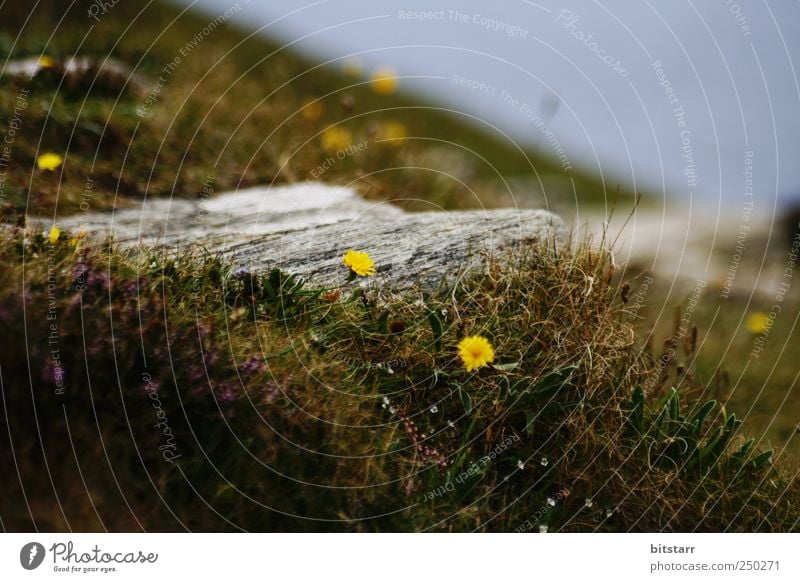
(211, 109)
(147, 393)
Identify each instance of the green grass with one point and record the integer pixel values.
(295, 408)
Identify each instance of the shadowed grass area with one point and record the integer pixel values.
(217, 111)
(161, 394)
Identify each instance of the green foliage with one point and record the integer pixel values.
(692, 440)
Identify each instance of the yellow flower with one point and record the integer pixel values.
(476, 352)
(47, 62)
(312, 111)
(758, 322)
(359, 262)
(394, 132)
(53, 235)
(335, 139)
(49, 161)
(384, 81)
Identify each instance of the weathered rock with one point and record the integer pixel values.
(305, 229)
(95, 70)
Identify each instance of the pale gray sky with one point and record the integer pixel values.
(730, 65)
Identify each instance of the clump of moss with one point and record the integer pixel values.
(169, 393)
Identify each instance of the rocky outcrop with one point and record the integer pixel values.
(306, 228)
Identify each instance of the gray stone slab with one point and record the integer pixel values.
(307, 228)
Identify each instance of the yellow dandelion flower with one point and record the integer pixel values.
(359, 262)
(46, 62)
(476, 352)
(394, 132)
(335, 139)
(53, 234)
(49, 161)
(352, 67)
(757, 322)
(312, 111)
(384, 81)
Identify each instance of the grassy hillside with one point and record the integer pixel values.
(212, 110)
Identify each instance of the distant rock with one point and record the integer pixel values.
(306, 228)
(97, 71)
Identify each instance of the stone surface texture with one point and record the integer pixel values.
(306, 228)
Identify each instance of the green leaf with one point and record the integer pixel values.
(637, 409)
(436, 327)
(554, 381)
(710, 445)
(746, 447)
(739, 458)
(383, 320)
(763, 459)
(701, 415)
(530, 417)
(674, 407)
(466, 401)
